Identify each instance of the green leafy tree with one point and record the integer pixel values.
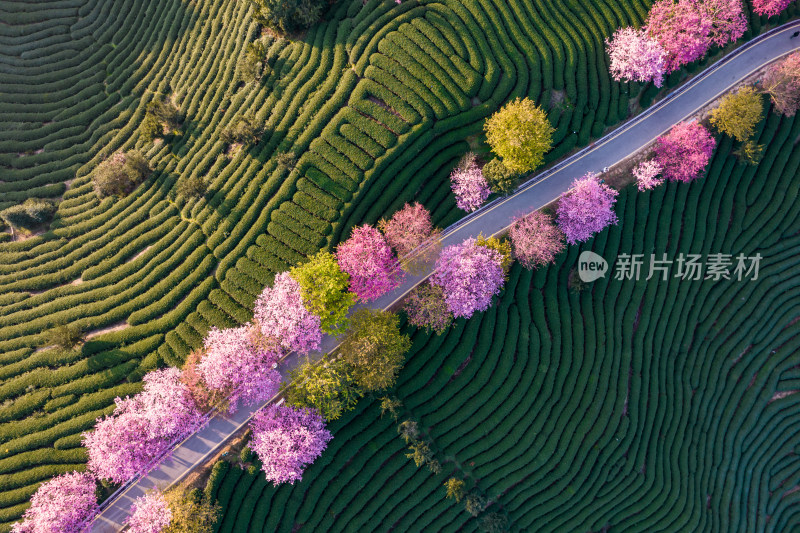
(494, 523)
(738, 113)
(500, 178)
(420, 452)
(244, 130)
(408, 431)
(63, 335)
(324, 288)
(520, 134)
(251, 66)
(285, 16)
(164, 112)
(455, 488)
(327, 387)
(29, 214)
(391, 405)
(191, 512)
(119, 174)
(374, 348)
(750, 152)
(475, 503)
(192, 187)
(286, 160)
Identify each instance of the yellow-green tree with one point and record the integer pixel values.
(374, 348)
(738, 113)
(191, 512)
(325, 290)
(327, 387)
(520, 134)
(455, 488)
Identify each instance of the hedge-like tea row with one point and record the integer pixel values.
(636, 405)
(376, 103)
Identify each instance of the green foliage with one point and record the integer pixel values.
(502, 246)
(30, 214)
(475, 503)
(119, 174)
(738, 113)
(324, 289)
(286, 160)
(191, 513)
(391, 405)
(286, 16)
(408, 431)
(750, 152)
(494, 523)
(245, 130)
(66, 336)
(500, 178)
(192, 187)
(520, 134)
(326, 386)
(251, 66)
(374, 348)
(420, 452)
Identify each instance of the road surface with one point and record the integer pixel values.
(491, 219)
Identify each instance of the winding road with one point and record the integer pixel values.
(493, 218)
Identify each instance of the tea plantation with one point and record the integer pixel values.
(630, 406)
(377, 102)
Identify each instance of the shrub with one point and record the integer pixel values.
(374, 348)
(286, 160)
(66, 336)
(455, 488)
(475, 504)
(244, 130)
(29, 214)
(119, 174)
(285, 16)
(192, 187)
(520, 134)
(251, 65)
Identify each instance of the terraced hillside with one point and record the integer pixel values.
(378, 101)
(632, 406)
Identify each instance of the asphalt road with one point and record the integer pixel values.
(538, 191)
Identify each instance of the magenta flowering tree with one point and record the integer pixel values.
(142, 427)
(370, 262)
(536, 240)
(64, 504)
(281, 313)
(408, 228)
(149, 514)
(287, 439)
(469, 185)
(587, 208)
(242, 363)
(684, 152)
(687, 28)
(635, 56)
(469, 275)
(770, 8)
(647, 174)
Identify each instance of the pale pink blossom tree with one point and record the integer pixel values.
(287, 439)
(65, 504)
(647, 174)
(409, 228)
(242, 363)
(281, 313)
(149, 514)
(587, 208)
(726, 17)
(469, 185)
(635, 56)
(770, 8)
(142, 427)
(782, 83)
(370, 262)
(469, 275)
(536, 240)
(684, 152)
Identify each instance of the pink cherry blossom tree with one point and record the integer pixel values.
(64, 504)
(726, 18)
(286, 440)
(587, 208)
(635, 56)
(241, 362)
(681, 30)
(281, 313)
(370, 262)
(647, 174)
(684, 152)
(536, 240)
(408, 228)
(469, 275)
(142, 427)
(468, 184)
(782, 83)
(426, 307)
(770, 8)
(149, 514)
